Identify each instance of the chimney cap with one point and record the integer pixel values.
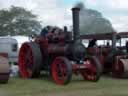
(76, 8)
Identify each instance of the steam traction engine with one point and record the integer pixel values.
(59, 54)
(114, 59)
(120, 66)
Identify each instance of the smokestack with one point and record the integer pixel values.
(75, 16)
(65, 29)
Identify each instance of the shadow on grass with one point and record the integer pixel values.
(75, 79)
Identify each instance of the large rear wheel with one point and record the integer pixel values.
(93, 69)
(61, 70)
(30, 60)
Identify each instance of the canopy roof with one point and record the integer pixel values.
(105, 36)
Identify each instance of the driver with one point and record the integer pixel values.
(127, 46)
(46, 30)
(92, 43)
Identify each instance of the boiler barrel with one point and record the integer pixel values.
(75, 51)
(56, 49)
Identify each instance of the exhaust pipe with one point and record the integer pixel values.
(65, 29)
(75, 16)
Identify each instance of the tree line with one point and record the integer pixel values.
(19, 21)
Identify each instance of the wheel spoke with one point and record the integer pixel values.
(28, 56)
(90, 66)
(92, 71)
(61, 71)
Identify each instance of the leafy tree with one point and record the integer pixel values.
(92, 21)
(18, 21)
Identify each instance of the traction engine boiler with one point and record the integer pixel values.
(59, 53)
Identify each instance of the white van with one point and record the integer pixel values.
(11, 45)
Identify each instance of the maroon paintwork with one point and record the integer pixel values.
(60, 55)
(51, 51)
(99, 36)
(109, 56)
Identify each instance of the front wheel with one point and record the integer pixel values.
(93, 69)
(61, 70)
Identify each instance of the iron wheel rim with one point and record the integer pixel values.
(61, 70)
(25, 61)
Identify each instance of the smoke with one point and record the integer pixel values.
(92, 21)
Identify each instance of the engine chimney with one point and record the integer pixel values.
(75, 16)
(65, 29)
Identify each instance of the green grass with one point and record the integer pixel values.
(106, 86)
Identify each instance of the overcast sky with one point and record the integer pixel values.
(57, 12)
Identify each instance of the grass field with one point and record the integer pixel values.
(106, 86)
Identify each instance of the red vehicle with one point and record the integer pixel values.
(4, 68)
(112, 57)
(120, 67)
(59, 53)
